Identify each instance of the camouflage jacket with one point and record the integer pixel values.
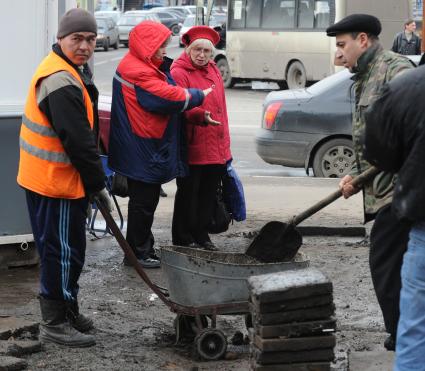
(374, 68)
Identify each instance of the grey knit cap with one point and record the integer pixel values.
(76, 20)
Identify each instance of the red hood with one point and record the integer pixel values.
(146, 38)
(185, 62)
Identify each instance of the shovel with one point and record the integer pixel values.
(278, 241)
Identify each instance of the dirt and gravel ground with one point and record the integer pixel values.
(135, 330)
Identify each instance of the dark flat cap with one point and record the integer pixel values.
(356, 23)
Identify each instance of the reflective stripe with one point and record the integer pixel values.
(130, 85)
(65, 248)
(186, 103)
(122, 81)
(37, 128)
(43, 154)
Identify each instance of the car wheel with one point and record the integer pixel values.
(175, 29)
(296, 76)
(334, 158)
(117, 44)
(106, 45)
(224, 68)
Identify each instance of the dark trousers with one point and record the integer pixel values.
(59, 229)
(194, 204)
(143, 200)
(388, 243)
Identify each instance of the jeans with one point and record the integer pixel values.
(410, 348)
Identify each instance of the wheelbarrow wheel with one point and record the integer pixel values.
(210, 344)
(186, 328)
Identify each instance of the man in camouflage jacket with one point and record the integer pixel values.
(359, 50)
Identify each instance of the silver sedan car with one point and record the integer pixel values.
(132, 18)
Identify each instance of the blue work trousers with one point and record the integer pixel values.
(410, 345)
(58, 227)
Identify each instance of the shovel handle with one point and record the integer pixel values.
(358, 181)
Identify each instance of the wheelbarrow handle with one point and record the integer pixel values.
(122, 242)
(358, 181)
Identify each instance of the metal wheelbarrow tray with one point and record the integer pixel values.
(198, 278)
(202, 285)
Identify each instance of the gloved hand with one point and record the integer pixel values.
(103, 197)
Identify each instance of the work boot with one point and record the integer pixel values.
(79, 321)
(56, 328)
(389, 343)
(145, 263)
(162, 193)
(209, 246)
(145, 255)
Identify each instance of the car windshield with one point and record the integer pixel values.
(101, 24)
(131, 20)
(329, 82)
(115, 15)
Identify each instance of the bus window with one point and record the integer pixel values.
(253, 13)
(278, 14)
(306, 14)
(237, 14)
(322, 14)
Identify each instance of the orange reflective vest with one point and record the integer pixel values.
(44, 167)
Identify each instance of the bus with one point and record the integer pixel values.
(285, 40)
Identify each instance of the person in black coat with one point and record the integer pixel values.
(394, 141)
(407, 42)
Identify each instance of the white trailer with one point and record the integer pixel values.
(28, 28)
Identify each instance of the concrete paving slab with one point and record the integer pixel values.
(17, 348)
(371, 361)
(12, 363)
(13, 326)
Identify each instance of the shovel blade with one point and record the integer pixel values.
(276, 242)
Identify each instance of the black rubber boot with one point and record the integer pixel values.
(79, 321)
(56, 328)
(389, 343)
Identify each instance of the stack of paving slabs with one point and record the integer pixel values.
(293, 321)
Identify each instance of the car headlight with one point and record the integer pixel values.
(100, 36)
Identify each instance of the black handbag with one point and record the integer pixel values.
(119, 185)
(220, 218)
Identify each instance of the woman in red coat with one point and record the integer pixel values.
(208, 140)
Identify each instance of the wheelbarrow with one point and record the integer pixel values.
(203, 284)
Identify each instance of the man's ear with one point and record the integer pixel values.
(364, 39)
